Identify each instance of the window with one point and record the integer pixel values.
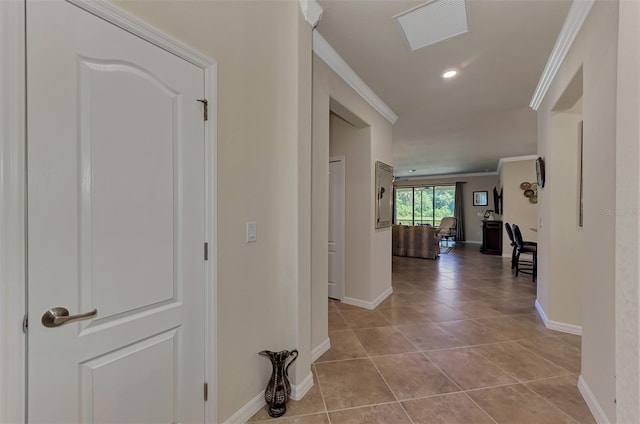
(424, 205)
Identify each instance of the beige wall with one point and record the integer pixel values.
(628, 216)
(566, 254)
(517, 209)
(263, 52)
(302, 33)
(380, 265)
(353, 143)
(472, 221)
(595, 50)
(561, 273)
(376, 244)
(320, 206)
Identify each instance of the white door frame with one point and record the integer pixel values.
(13, 194)
(12, 211)
(342, 236)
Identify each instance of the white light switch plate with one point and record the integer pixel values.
(252, 232)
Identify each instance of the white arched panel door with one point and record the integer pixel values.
(116, 225)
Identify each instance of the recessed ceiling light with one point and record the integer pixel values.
(449, 73)
(412, 170)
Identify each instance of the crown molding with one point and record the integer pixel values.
(575, 18)
(324, 50)
(514, 159)
(443, 176)
(312, 11)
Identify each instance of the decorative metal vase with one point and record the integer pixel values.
(278, 390)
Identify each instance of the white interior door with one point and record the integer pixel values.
(116, 178)
(336, 228)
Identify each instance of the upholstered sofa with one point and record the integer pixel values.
(415, 241)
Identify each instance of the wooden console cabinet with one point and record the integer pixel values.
(491, 237)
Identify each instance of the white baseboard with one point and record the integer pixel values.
(541, 313)
(299, 390)
(357, 302)
(319, 350)
(382, 297)
(469, 242)
(557, 325)
(564, 327)
(368, 305)
(257, 403)
(248, 410)
(591, 401)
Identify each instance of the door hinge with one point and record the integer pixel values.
(206, 392)
(25, 323)
(205, 102)
(206, 251)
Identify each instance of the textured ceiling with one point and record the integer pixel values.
(461, 125)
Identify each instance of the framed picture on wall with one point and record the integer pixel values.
(540, 172)
(384, 194)
(480, 198)
(580, 181)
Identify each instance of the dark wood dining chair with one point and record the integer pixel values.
(527, 248)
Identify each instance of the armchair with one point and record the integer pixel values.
(448, 228)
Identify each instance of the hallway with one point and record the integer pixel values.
(458, 341)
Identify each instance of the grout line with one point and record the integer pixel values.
(391, 390)
(452, 269)
(488, 387)
(545, 359)
(324, 402)
(393, 354)
(481, 408)
(551, 403)
(497, 366)
(433, 395)
(362, 346)
(286, 416)
(341, 360)
(497, 386)
(551, 378)
(562, 336)
(492, 332)
(368, 405)
(417, 349)
(460, 389)
(385, 380)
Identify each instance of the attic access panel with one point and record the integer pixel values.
(433, 22)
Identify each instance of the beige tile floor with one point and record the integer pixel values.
(458, 341)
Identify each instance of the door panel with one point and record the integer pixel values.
(106, 381)
(115, 222)
(116, 150)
